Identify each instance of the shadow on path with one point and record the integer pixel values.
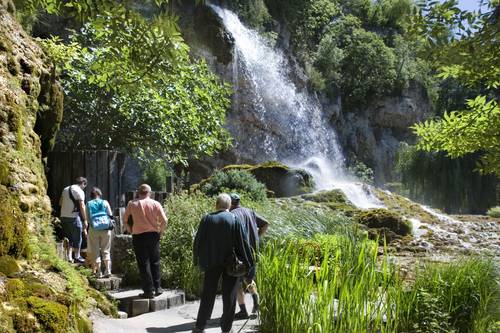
(182, 327)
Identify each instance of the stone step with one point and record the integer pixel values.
(130, 302)
(110, 283)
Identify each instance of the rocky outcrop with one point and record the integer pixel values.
(282, 180)
(374, 134)
(29, 96)
(39, 292)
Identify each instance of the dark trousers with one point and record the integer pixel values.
(229, 288)
(147, 253)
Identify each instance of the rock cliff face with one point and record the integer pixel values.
(373, 135)
(30, 98)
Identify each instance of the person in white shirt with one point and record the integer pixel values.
(74, 217)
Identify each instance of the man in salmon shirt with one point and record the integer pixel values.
(149, 223)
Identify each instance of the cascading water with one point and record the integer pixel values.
(294, 129)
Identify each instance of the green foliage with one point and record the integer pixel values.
(53, 316)
(306, 20)
(184, 215)
(130, 83)
(362, 171)
(468, 56)
(252, 12)
(357, 60)
(331, 295)
(155, 175)
(430, 315)
(171, 113)
(390, 15)
(367, 292)
(463, 132)
(494, 212)
(465, 291)
(234, 181)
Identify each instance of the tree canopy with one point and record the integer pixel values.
(130, 83)
(464, 46)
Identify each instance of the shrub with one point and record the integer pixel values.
(184, 214)
(155, 175)
(234, 180)
(465, 292)
(494, 211)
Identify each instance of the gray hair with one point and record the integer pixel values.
(144, 189)
(223, 201)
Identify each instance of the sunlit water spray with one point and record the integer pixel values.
(295, 128)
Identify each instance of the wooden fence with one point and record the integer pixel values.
(102, 168)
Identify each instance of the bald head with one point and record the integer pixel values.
(223, 201)
(144, 190)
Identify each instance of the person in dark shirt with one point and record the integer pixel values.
(254, 226)
(218, 235)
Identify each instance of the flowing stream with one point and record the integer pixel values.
(295, 130)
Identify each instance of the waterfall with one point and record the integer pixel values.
(293, 128)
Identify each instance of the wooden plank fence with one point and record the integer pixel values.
(103, 169)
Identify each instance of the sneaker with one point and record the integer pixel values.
(148, 295)
(241, 315)
(80, 260)
(158, 291)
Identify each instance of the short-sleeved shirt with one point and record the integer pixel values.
(147, 214)
(67, 206)
(251, 223)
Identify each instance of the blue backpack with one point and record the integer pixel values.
(99, 219)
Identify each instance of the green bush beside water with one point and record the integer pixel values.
(494, 211)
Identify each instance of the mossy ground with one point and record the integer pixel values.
(404, 206)
(333, 199)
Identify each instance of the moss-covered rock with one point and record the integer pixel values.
(9, 266)
(13, 225)
(15, 288)
(51, 315)
(333, 199)
(386, 223)
(404, 206)
(282, 180)
(25, 321)
(6, 324)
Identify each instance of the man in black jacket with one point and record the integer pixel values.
(218, 234)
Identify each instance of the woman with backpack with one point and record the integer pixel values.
(99, 236)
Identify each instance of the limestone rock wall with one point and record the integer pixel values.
(30, 97)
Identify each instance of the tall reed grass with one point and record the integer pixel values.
(340, 284)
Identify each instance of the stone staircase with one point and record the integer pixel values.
(130, 302)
